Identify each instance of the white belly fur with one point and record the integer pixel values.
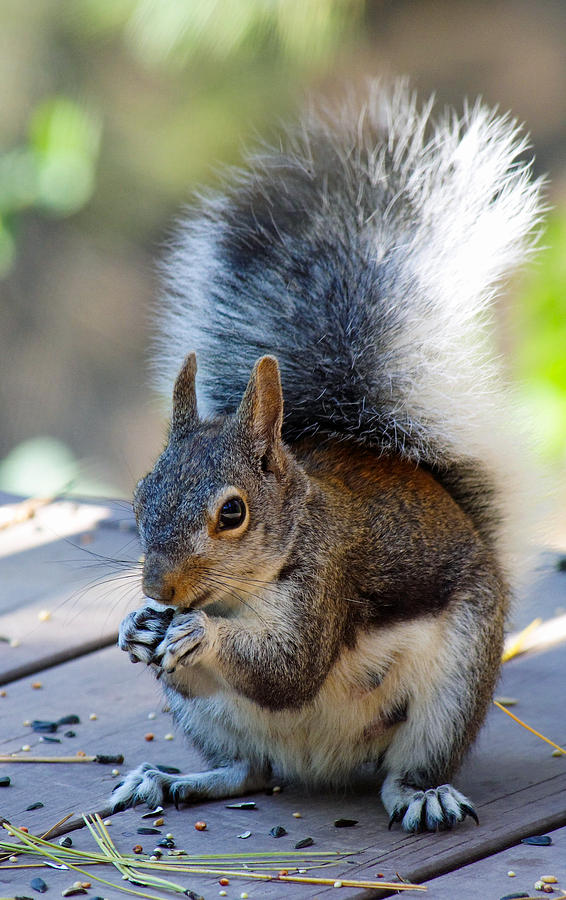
(324, 741)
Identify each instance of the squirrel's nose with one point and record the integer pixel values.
(158, 581)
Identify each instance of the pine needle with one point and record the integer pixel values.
(528, 727)
(516, 644)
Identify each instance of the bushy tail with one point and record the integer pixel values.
(365, 256)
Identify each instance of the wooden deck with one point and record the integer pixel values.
(60, 606)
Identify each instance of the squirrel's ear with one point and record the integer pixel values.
(261, 409)
(185, 414)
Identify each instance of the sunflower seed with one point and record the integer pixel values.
(306, 842)
(277, 831)
(539, 840)
(38, 884)
(345, 823)
(37, 805)
(247, 804)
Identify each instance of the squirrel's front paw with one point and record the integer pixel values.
(141, 632)
(189, 639)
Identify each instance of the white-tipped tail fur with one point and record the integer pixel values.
(365, 254)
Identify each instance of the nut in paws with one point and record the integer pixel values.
(187, 640)
(141, 631)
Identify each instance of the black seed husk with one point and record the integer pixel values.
(22, 897)
(517, 896)
(169, 770)
(345, 823)
(117, 758)
(50, 740)
(37, 805)
(306, 842)
(561, 564)
(5, 781)
(247, 804)
(153, 812)
(70, 734)
(277, 831)
(72, 891)
(69, 720)
(44, 726)
(148, 831)
(66, 842)
(539, 840)
(166, 842)
(38, 884)
(192, 895)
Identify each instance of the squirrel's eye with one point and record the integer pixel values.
(232, 513)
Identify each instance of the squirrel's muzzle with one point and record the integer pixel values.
(159, 579)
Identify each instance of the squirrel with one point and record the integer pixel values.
(325, 537)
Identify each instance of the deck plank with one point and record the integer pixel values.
(57, 562)
(489, 877)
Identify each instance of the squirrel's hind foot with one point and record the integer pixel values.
(435, 809)
(148, 784)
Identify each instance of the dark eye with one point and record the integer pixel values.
(232, 513)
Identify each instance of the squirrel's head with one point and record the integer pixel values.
(217, 514)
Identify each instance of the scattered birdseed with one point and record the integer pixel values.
(277, 831)
(3, 693)
(107, 822)
(247, 804)
(12, 858)
(345, 823)
(302, 871)
(277, 789)
(511, 874)
(15, 642)
(148, 831)
(549, 879)
(86, 884)
(69, 720)
(26, 723)
(70, 734)
(46, 739)
(169, 737)
(80, 753)
(24, 828)
(200, 826)
(138, 848)
(160, 821)
(539, 840)
(223, 881)
(115, 772)
(557, 753)
(37, 805)
(149, 736)
(283, 872)
(157, 853)
(65, 842)
(93, 716)
(243, 895)
(306, 842)
(297, 815)
(337, 884)
(169, 836)
(245, 834)
(151, 715)
(152, 812)
(36, 685)
(38, 884)
(44, 615)
(166, 842)
(222, 893)
(5, 781)
(154, 858)
(26, 747)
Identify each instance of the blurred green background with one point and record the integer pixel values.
(113, 111)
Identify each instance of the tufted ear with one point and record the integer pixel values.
(261, 409)
(185, 414)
